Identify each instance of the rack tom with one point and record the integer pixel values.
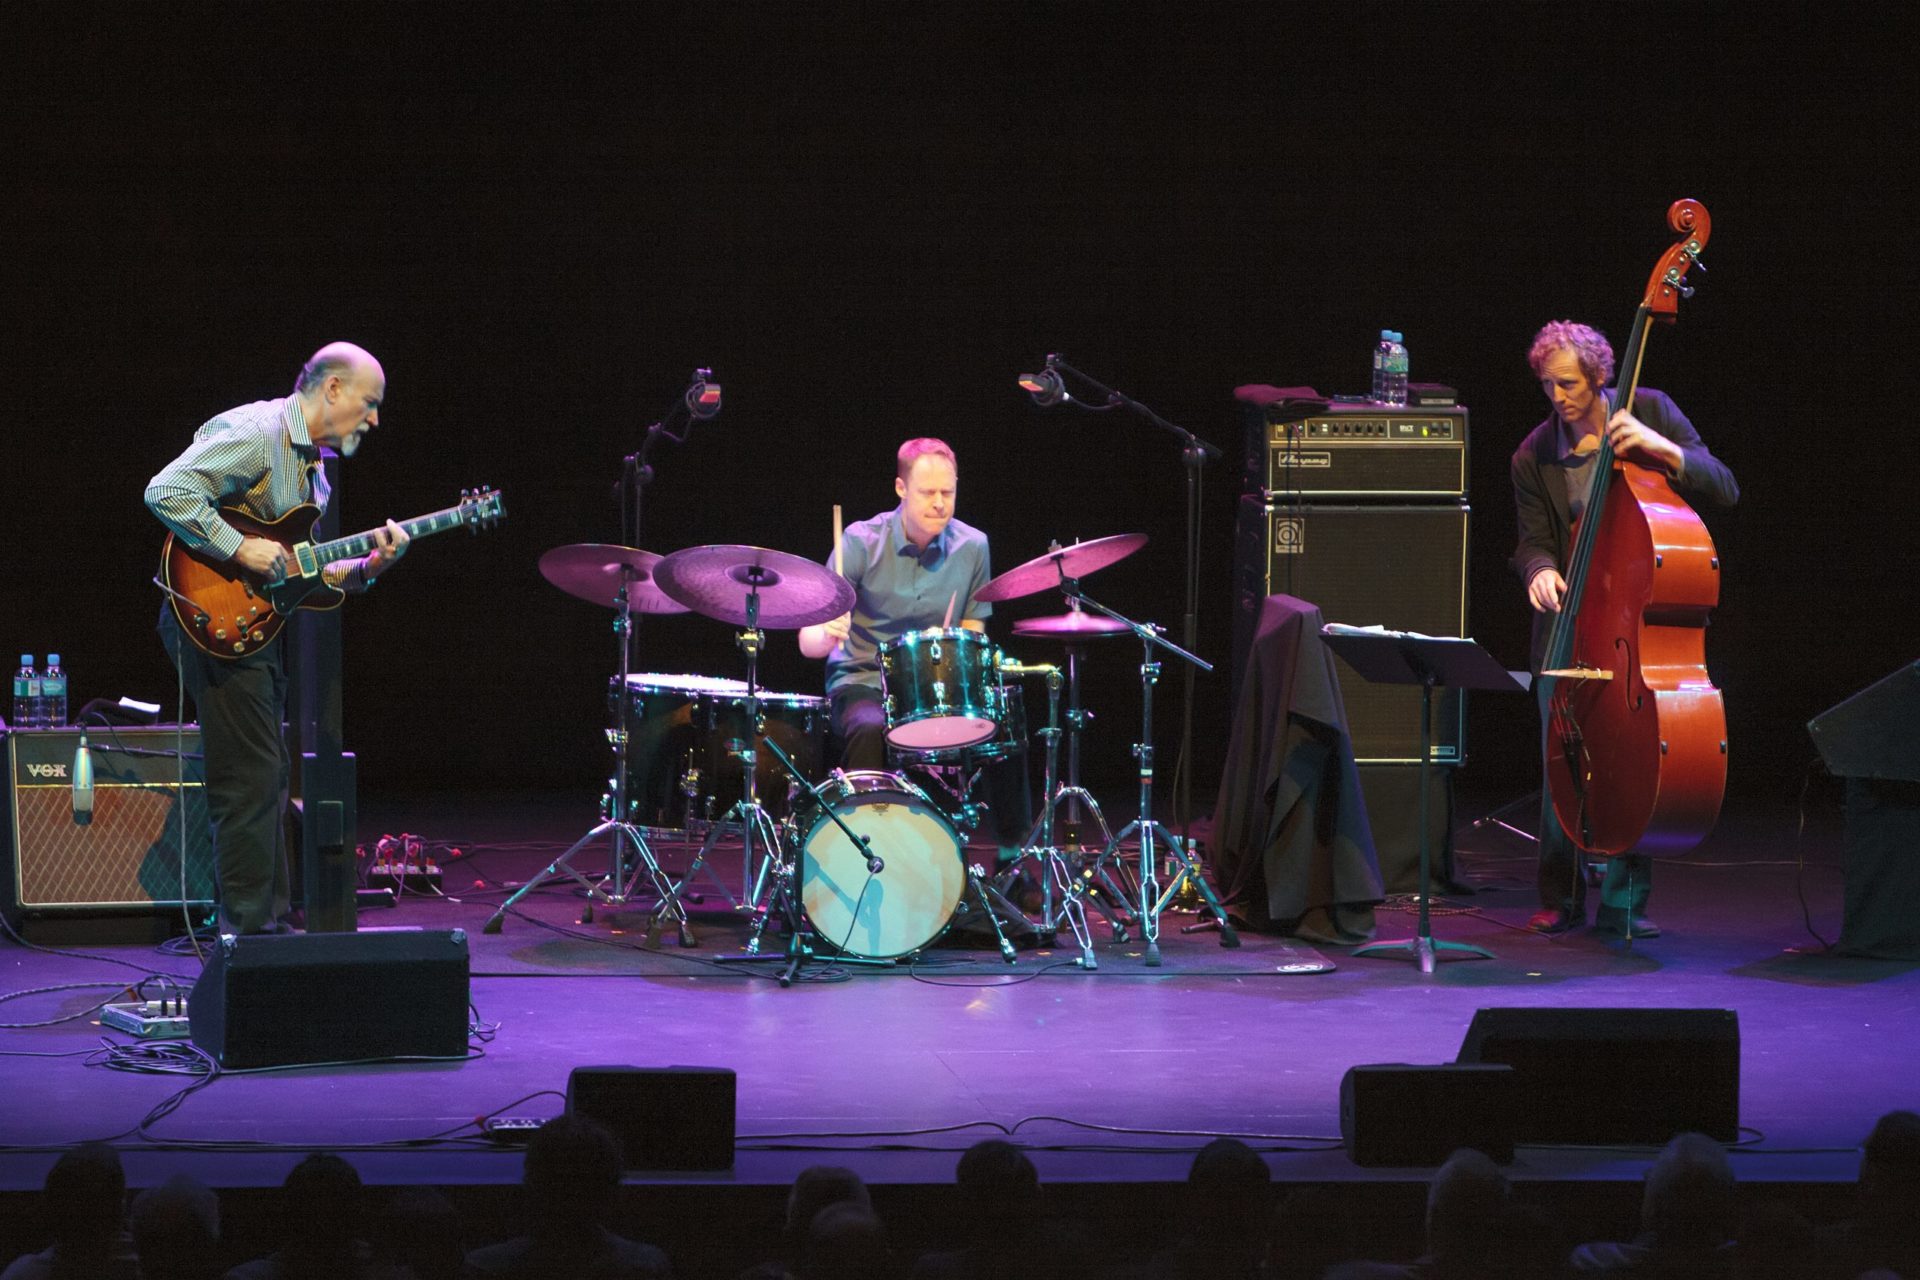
(942, 689)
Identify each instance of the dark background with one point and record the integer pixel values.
(867, 220)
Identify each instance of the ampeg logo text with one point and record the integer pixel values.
(47, 770)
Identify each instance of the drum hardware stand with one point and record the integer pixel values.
(753, 818)
(781, 895)
(1153, 900)
(622, 875)
(1053, 865)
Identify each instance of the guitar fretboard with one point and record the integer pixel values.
(361, 543)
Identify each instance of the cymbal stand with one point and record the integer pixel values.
(755, 822)
(623, 874)
(1153, 900)
(1053, 865)
(1080, 801)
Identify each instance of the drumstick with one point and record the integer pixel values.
(838, 559)
(951, 601)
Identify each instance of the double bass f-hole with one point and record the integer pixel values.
(1623, 650)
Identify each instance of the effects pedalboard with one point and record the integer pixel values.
(149, 1019)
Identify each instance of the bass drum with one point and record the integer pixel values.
(911, 900)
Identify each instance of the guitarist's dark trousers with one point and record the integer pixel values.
(241, 705)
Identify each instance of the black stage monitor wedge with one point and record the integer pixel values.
(663, 1117)
(1615, 1076)
(272, 1001)
(1871, 734)
(1394, 1114)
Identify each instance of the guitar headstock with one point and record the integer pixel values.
(481, 509)
(1668, 284)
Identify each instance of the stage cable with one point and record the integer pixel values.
(1800, 856)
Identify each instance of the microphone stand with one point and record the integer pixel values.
(1194, 453)
(635, 471)
(1152, 900)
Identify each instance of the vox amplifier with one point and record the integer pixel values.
(127, 860)
(1359, 452)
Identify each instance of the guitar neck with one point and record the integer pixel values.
(360, 544)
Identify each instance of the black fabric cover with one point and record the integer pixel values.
(1292, 849)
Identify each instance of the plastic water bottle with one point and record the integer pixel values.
(26, 695)
(53, 694)
(1390, 369)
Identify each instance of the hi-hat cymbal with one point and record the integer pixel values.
(1074, 625)
(595, 571)
(1076, 561)
(794, 591)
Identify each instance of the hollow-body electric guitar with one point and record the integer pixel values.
(229, 613)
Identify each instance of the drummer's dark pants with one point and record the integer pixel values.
(241, 703)
(1563, 884)
(860, 722)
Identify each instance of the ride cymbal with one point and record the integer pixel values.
(717, 580)
(1076, 561)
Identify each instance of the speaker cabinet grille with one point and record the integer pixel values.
(126, 859)
(1403, 567)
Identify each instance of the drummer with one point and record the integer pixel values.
(908, 566)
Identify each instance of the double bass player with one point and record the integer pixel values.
(1552, 472)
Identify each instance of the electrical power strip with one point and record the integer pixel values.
(148, 1019)
(403, 875)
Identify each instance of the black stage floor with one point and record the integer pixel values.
(1113, 1076)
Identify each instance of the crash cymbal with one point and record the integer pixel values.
(1074, 625)
(1076, 561)
(794, 591)
(595, 571)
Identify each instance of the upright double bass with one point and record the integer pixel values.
(1636, 731)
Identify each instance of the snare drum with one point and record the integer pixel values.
(911, 900)
(683, 731)
(942, 689)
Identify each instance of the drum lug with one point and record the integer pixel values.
(934, 652)
(939, 690)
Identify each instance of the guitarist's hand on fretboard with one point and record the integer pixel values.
(389, 544)
(262, 557)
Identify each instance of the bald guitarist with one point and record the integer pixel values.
(263, 460)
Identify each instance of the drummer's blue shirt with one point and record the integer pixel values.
(899, 588)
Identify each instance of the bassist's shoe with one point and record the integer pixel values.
(1552, 920)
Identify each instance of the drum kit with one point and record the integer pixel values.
(869, 865)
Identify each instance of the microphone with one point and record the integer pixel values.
(1045, 387)
(703, 397)
(82, 783)
(874, 865)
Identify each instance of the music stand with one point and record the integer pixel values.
(1405, 657)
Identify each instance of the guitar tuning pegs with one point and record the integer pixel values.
(1684, 290)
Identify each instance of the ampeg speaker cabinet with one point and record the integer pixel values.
(127, 860)
(1602, 1076)
(1393, 1114)
(1399, 567)
(274, 1000)
(664, 1117)
(1871, 734)
(1359, 452)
